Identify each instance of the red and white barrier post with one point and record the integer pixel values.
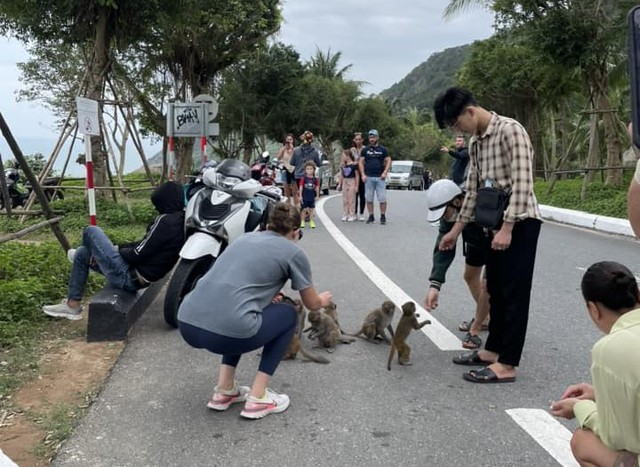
(88, 124)
(91, 192)
(172, 158)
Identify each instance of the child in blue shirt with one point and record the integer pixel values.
(310, 190)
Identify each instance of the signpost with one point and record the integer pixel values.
(193, 119)
(89, 124)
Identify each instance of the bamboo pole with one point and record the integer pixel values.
(44, 202)
(28, 230)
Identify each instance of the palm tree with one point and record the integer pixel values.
(326, 65)
(458, 6)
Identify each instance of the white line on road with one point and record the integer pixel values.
(436, 332)
(548, 433)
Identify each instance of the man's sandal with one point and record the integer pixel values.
(470, 358)
(471, 342)
(465, 326)
(486, 376)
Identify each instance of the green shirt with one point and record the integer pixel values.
(615, 374)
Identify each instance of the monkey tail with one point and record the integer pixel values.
(312, 357)
(392, 351)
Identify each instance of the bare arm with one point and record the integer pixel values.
(314, 300)
(633, 206)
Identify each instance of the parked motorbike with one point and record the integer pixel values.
(19, 192)
(264, 170)
(230, 204)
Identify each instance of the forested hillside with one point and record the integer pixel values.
(420, 87)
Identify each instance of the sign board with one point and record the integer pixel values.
(213, 129)
(88, 119)
(187, 119)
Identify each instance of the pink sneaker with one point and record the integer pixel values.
(272, 402)
(221, 400)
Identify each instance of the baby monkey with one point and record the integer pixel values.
(295, 345)
(408, 321)
(324, 328)
(377, 321)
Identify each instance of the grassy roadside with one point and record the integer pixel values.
(36, 351)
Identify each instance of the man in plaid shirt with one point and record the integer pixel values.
(502, 157)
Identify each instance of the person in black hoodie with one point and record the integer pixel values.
(129, 266)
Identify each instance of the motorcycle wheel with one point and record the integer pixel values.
(183, 280)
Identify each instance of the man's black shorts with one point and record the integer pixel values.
(475, 245)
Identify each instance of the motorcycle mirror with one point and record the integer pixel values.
(209, 177)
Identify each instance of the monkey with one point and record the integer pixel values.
(295, 345)
(376, 322)
(408, 321)
(325, 330)
(331, 311)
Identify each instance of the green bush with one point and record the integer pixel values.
(600, 199)
(32, 276)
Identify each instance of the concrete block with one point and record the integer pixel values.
(112, 312)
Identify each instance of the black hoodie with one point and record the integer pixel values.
(157, 252)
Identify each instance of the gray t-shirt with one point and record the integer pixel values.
(230, 297)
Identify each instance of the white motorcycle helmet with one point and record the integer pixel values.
(440, 194)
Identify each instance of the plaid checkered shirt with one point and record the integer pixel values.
(502, 154)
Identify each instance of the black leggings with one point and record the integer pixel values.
(360, 198)
(275, 333)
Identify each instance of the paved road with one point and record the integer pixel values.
(354, 412)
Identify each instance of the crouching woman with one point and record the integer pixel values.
(230, 311)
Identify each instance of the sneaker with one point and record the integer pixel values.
(71, 255)
(62, 310)
(344, 218)
(361, 218)
(351, 219)
(312, 224)
(383, 219)
(302, 225)
(272, 402)
(221, 399)
(371, 219)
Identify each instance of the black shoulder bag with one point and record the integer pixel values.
(491, 203)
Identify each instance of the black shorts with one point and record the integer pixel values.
(309, 203)
(289, 178)
(475, 245)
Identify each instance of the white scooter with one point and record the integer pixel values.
(230, 204)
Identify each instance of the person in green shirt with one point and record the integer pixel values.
(608, 412)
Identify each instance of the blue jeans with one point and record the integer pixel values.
(375, 185)
(278, 326)
(96, 246)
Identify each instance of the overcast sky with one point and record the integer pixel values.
(383, 40)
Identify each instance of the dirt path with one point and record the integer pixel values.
(70, 373)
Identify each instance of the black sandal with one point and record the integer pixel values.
(471, 342)
(465, 326)
(486, 376)
(470, 358)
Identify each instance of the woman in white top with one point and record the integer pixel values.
(284, 155)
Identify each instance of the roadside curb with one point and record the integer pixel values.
(612, 225)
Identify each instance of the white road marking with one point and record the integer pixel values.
(436, 332)
(547, 432)
(5, 461)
